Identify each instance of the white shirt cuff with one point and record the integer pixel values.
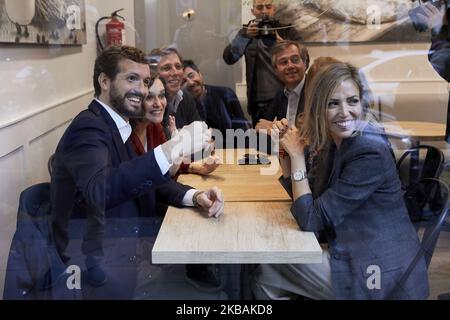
(187, 199)
(161, 159)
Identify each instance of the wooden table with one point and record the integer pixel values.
(248, 232)
(416, 130)
(241, 182)
(256, 227)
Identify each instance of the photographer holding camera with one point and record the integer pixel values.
(255, 41)
(436, 19)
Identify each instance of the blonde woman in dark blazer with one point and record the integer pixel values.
(371, 239)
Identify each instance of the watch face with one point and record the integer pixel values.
(299, 175)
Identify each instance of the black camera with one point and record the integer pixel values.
(418, 23)
(266, 26)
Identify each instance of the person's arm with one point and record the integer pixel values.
(174, 170)
(285, 179)
(236, 49)
(180, 195)
(172, 193)
(205, 167)
(362, 174)
(87, 159)
(280, 128)
(211, 201)
(296, 151)
(439, 53)
(172, 126)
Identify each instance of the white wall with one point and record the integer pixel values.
(42, 90)
(159, 23)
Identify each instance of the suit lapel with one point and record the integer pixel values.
(284, 107)
(120, 146)
(121, 149)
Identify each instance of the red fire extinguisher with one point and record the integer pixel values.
(115, 30)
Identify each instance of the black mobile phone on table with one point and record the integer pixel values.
(251, 159)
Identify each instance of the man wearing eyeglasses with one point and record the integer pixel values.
(262, 81)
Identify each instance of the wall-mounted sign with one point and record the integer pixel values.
(328, 21)
(45, 22)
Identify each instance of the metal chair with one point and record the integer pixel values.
(415, 172)
(429, 239)
(50, 164)
(446, 168)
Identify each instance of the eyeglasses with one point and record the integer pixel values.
(295, 59)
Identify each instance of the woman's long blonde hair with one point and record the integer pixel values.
(313, 125)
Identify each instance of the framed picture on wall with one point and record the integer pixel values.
(43, 22)
(331, 21)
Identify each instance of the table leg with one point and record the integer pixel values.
(231, 275)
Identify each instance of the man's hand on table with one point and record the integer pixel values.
(205, 167)
(211, 201)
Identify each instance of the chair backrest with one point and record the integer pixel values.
(434, 226)
(50, 164)
(428, 240)
(33, 255)
(415, 168)
(430, 164)
(34, 207)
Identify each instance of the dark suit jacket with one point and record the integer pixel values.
(221, 110)
(93, 166)
(279, 105)
(366, 221)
